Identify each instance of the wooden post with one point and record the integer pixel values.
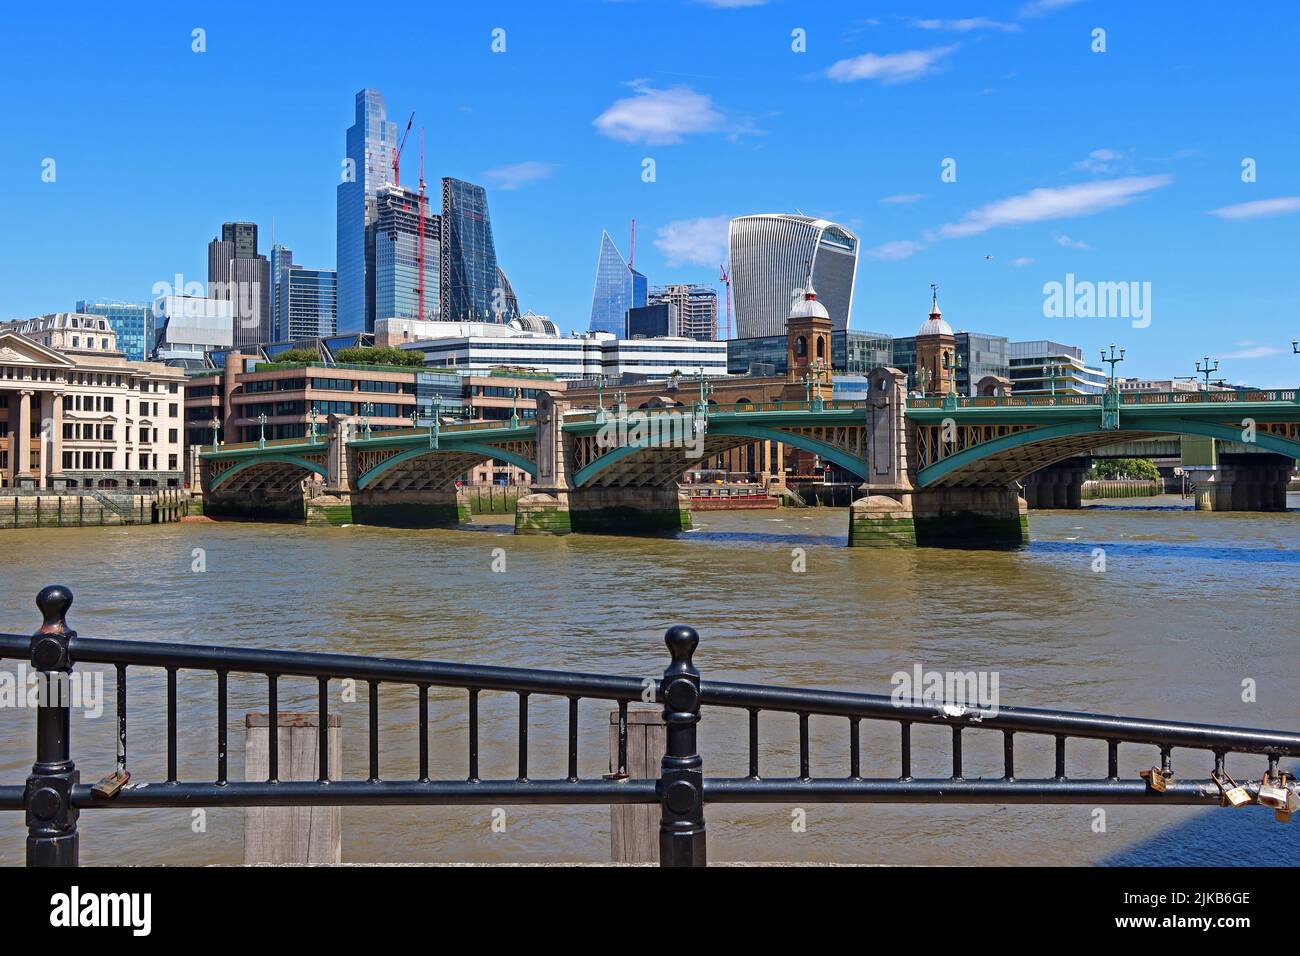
(311, 835)
(634, 828)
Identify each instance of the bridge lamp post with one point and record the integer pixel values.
(261, 424)
(1110, 401)
(216, 424)
(1112, 361)
(922, 379)
(1052, 368)
(435, 426)
(1206, 369)
(514, 408)
(950, 365)
(600, 395)
(367, 409)
(313, 422)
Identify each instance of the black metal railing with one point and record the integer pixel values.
(53, 795)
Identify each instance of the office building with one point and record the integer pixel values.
(114, 423)
(368, 159)
(697, 309)
(473, 289)
(1042, 367)
(131, 321)
(281, 263)
(187, 327)
(656, 320)
(852, 353)
(398, 279)
(618, 288)
(770, 258)
(239, 275)
(303, 301)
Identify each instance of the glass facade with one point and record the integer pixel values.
(1041, 367)
(471, 288)
(133, 323)
(980, 355)
(310, 306)
(615, 290)
(397, 256)
(852, 353)
(447, 385)
(367, 166)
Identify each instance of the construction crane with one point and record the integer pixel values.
(397, 152)
(726, 281)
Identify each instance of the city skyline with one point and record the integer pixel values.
(736, 122)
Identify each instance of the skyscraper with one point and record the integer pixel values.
(367, 166)
(281, 263)
(471, 282)
(238, 275)
(397, 259)
(618, 288)
(770, 258)
(133, 323)
(310, 304)
(697, 309)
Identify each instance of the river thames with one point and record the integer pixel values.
(1188, 606)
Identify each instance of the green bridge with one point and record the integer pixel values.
(936, 471)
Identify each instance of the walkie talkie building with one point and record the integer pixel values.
(770, 258)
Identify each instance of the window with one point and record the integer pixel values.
(172, 410)
(171, 462)
(108, 459)
(171, 435)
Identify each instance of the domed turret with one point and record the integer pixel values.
(805, 304)
(934, 325)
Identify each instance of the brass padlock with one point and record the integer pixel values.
(112, 784)
(1292, 804)
(1157, 779)
(1231, 796)
(1275, 795)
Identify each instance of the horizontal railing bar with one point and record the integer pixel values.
(366, 793)
(11, 797)
(993, 791)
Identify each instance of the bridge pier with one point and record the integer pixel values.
(389, 509)
(984, 518)
(256, 505)
(1058, 486)
(1242, 483)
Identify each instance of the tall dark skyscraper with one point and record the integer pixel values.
(471, 287)
(238, 275)
(397, 256)
(367, 166)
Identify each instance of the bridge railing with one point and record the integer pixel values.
(53, 795)
(1125, 398)
(717, 408)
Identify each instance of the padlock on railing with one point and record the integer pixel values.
(1275, 795)
(1292, 803)
(1157, 779)
(111, 785)
(1230, 796)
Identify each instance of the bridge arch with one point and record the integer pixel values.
(443, 464)
(1014, 456)
(272, 472)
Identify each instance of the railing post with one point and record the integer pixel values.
(681, 775)
(51, 817)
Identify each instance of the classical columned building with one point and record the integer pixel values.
(75, 413)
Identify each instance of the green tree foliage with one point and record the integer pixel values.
(379, 355)
(1125, 468)
(297, 355)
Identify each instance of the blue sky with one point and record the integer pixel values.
(1115, 166)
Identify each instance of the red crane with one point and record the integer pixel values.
(726, 280)
(397, 152)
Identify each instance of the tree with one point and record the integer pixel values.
(380, 355)
(297, 355)
(1141, 469)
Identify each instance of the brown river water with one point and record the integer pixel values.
(1189, 605)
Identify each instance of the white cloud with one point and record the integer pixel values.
(893, 251)
(902, 198)
(1063, 202)
(1259, 208)
(520, 174)
(1039, 7)
(1063, 240)
(696, 242)
(1021, 261)
(967, 24)
(889, 67)
(1100, 161)
(1259, 351)
(658, 116)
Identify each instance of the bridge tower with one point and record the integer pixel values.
(936, 351)
(808, 340)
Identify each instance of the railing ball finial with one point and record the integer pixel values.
(682, 642)
(54, 601)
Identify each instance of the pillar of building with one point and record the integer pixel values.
(23, 476)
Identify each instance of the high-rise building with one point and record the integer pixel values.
(281, 263)
(131, 321)
(472, 289)
(656, 320)
(303, 301)
(697, 309)
(1042, 367)
(397, 256)
(771, 256)
(618, 288)
(238, 275)
(367, 166)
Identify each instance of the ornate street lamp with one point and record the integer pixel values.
(216, 425)
(261, 438)
(367, 409)
(514, 408)
(1206, 369)
(1112, 361)
(1110, 401)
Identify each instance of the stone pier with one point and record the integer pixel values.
(971, 518)
(1057, 486)
(1241, 483)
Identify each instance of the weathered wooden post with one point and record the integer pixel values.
(311, 835)
(51, 818)
(681, 778)
(634, 827)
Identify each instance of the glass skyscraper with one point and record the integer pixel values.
(367, 166)
(471, 287)
(132, 322)
(397, 261)
(618, 288)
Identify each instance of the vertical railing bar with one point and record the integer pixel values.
(221, 727)
(272, 728)
(1060, 756)
(753, 743)
(372, 699)
(1112, 760)
(855, 743)
(622, 738)
(956, 751)
(322, 731)
(424, 733)
(803, 747)
(906, 750)
(523, 735)
(473, 735)
(171, 724)
(1272, 767)
(121, 717)
(1166, 761)
(1008, 755)
(573, 739)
